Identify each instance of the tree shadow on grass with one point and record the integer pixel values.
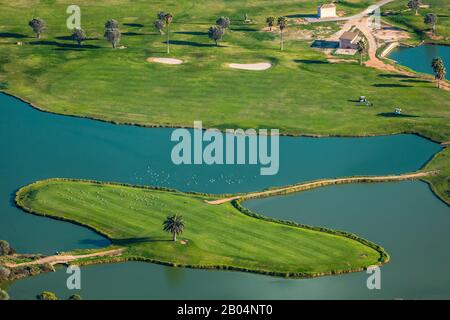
(133, 34)
(70, 38)
(190, 43)
(311, 61)
(415, 81)
(128, 241)
(136, 25)
(12, 35)
(391, 85)
(64, 46)
(244, 29)
(399, 76)
(394, 115)
(192, 33)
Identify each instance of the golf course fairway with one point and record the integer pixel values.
(219, 237)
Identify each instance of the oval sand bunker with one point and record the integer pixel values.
(251, 66)
(165, 60)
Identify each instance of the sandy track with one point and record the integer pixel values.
(165, 60)
(62, 259)
(322, 183)
(251, 66)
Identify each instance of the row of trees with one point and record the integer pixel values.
(164, 19)
(112, 33)
(281, 23)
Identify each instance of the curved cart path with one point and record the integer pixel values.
(62, 259)
(322, 183)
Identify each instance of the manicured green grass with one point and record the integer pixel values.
(217, 235)
(301, 94)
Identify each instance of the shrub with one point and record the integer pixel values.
(3, 295)
(75, 297)
(4, 273)
(5, 248)
(47, 295)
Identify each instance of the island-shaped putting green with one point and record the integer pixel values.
(216, 236)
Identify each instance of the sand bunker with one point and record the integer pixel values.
(165, 60)
(251, 66)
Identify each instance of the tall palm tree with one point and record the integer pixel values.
(282, 23)
(174, 224)
(362, 47)
(168, 18)
(270, 22)
(439, 69)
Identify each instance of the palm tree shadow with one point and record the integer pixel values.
(128, 241)
(192, 33)
(391, 85)
(311, 61)
(137, 25)
(133, 34)
(394, 115)
(64, 46)
(390, 75)
(12, 35)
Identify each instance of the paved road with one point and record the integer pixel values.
(354, 17)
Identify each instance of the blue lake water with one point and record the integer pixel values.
(37, 145)
(419, 58)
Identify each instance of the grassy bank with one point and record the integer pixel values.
(301, 94)
(400, 16)
(218, 236)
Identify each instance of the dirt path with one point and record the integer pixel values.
(62, 259)
(322, 183)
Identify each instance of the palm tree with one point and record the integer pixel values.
(362, 47)
(439, 69)
(431, 18)
(270, 22)
(414, 5)
(282, 23)
(168, 18)
(174, 224)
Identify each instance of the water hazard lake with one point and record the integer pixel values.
(37, 145)
(419, 58)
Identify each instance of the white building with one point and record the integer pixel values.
(327, 10)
